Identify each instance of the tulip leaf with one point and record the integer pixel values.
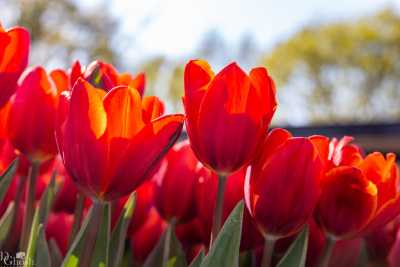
(43, 258)
(6, 222)
(37, 246)
(101, 249)
(176, 257)
(73, 254)
(198, 259)
(6, 178)
(297, 252)
(225, 250)
(118, 237)
(55, 253)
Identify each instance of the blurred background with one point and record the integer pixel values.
(334, 62)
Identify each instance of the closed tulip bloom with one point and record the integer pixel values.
(175, 184)
(107, 147)
(31, 120)
(359, 195)
(14, 53)
(227, 114)
(58, 228)
(281, 188)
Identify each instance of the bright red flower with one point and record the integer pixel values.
(103, 134)
(227, 114)
(175, 184)
(359, 195)
(281, 188)
(146, 237)
(14, 53)
(104, 76)
(58, 228)
(31, 120)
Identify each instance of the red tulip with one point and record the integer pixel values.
(31, 121)
(14, 53)
(146, 237)
(104, 133)
(281, 189)
(58, 227)
(175, 184)
(227, 114)
(358, 195)
(104, 76)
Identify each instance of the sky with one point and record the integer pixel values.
(177, 26)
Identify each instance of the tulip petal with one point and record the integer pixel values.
(153, 108)
(124, 112)
(60, 79)
(144, 153)
(31, 122)
(83, 153)
(347, 203)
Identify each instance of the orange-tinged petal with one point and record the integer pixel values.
(60, 79)
(124, 112)
(142, 155)
(383, 173)
(153, 108)
(31, 121)
(347, 202)
(139, 83)
(14, 52)
(84, 154)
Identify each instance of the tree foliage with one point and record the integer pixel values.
(344, 71)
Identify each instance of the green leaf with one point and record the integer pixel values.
(43, 258)
(176, 257)
(6, 222)
(41, 253)
(297, 252)
(72, 257)
(95, 230)
(101, 249)
(225, 250)
(118, 237)
(55, 253)
(198, 259)
(6, 178)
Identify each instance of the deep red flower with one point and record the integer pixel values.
(227, 114)
(107, 146)
(281, 188)
(359, 195)
(146, 237)
(14, 53)
(31, 120)
(58, 228)
(175, 184)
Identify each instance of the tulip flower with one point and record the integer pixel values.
(58, 228)
(175, 184)
(104, 133)
(30, 129)
(102, 75)
(227, 116)
(359, 195)
(14, 53)
(281, 188)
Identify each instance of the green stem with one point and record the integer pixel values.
(219, 205)
(327, 252)
(12, 239)
(30, 205)
(93, 228)
(167, 242)
(268, 252)
(77, 218)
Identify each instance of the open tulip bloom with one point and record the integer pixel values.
(98, 168)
